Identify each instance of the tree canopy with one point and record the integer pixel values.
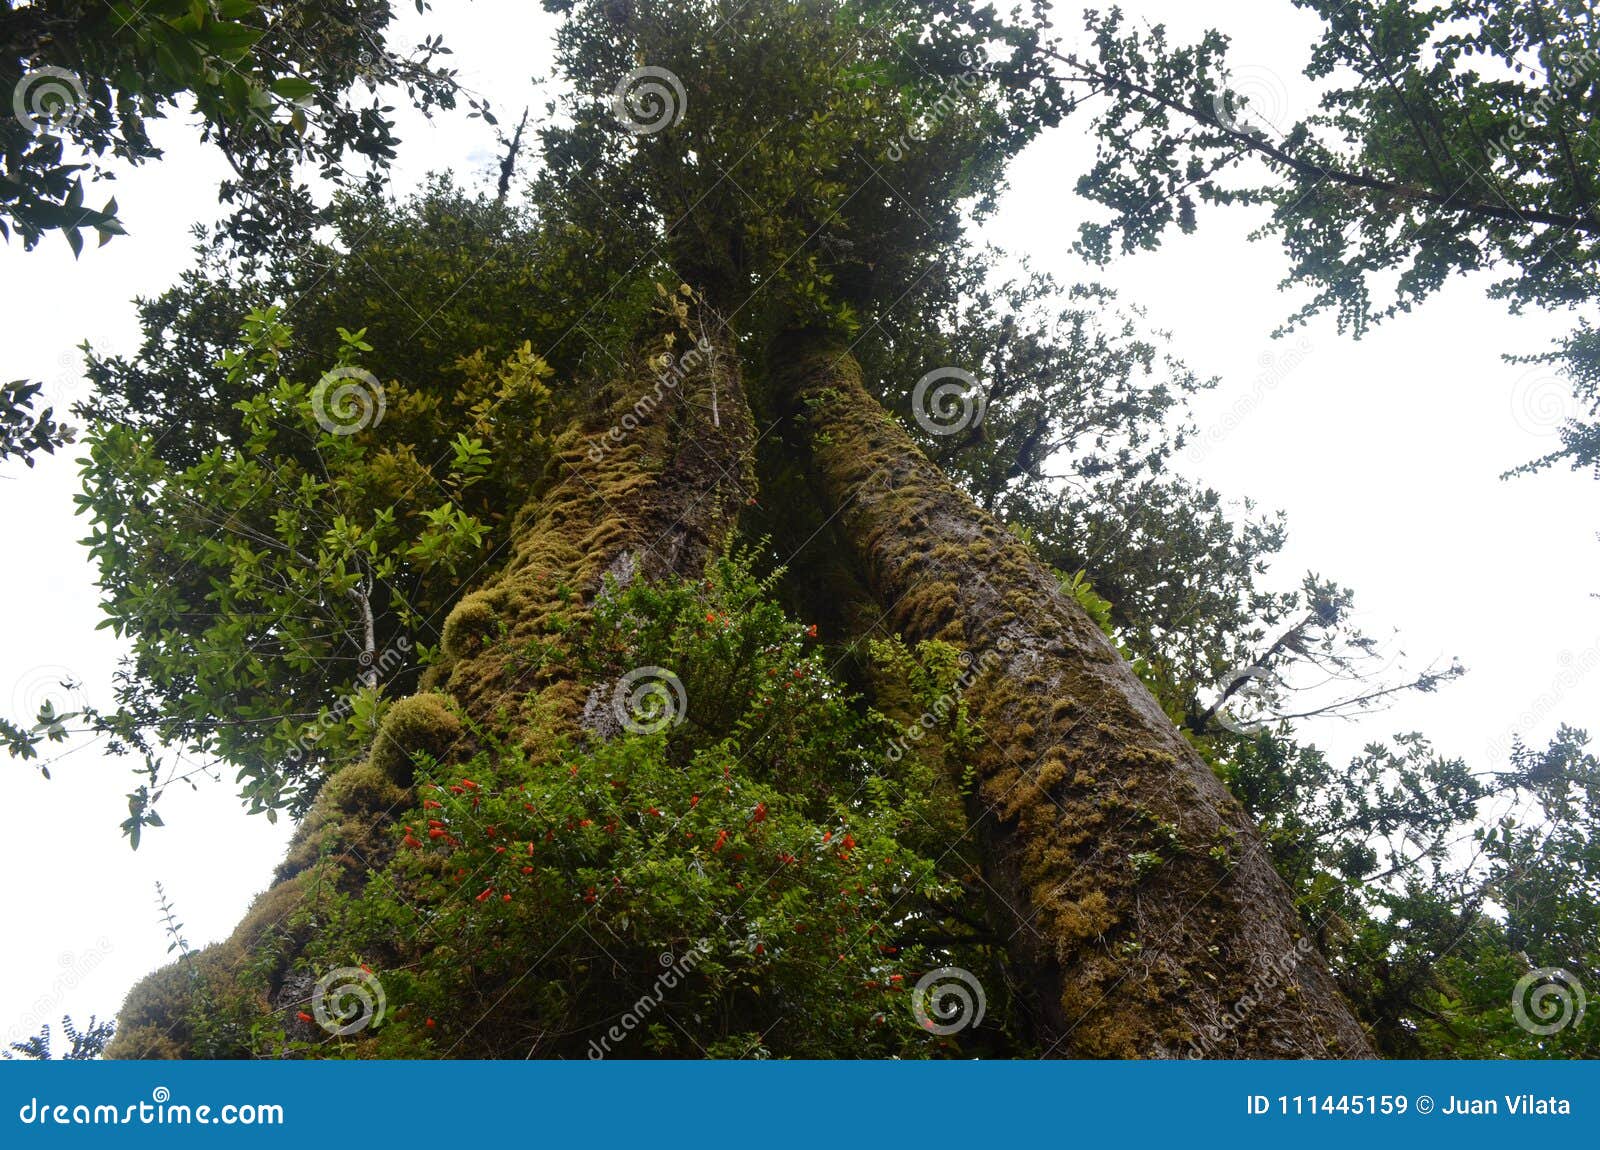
(536, 598)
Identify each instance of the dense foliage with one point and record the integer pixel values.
(1446, 139)
(285, 503)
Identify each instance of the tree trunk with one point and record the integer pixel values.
(1140, 901)
(650, 489)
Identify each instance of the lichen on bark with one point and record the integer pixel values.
(649, 487)
(1141, 902)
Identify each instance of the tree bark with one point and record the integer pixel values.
(1140, 900)
(648, 489)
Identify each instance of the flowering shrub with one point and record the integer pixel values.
(768, 839)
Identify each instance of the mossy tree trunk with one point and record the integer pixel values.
(1142, 908)
(648, 488)
(1143, 914)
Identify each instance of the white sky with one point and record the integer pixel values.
(1384, 453)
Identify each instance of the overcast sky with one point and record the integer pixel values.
(1384, 453)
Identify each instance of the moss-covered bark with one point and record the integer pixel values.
(646, 489)
(1142, 906)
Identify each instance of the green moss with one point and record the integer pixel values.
(422, 724)
(471, 623)
(666, 495)
(1068, 744)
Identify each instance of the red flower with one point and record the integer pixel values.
(469, 784)
(760, 814)
(505, 898)
(653, 811)
(722, 837)
(527, 870)
(486, 892)
(849, 841)
(429, 1024)
(811, 631)
(827, 836)
(435, 833)
(760, 949)
(897, 978)
(694, 800)
(304, 1017)
(432, 805)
